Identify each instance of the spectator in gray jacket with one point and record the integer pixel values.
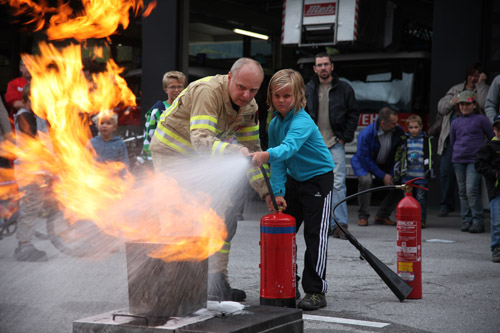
(491, 108)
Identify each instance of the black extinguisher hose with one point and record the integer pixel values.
(397, 285)
(269, 188)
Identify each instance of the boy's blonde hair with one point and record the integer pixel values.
(105, 115)
(179, 76)
(282, 79)
(414, 119)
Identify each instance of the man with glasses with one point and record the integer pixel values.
(332, 105)
(173, 83)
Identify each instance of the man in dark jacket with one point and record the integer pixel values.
(332, 106)
(377, 145)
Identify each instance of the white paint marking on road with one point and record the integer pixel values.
(445, 241)
(345, 321)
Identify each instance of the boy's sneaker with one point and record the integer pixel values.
(495, 256)
(312, 302)
(465, 226)
(476, 228)
(29, 253)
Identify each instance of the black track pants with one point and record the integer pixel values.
(310, 202)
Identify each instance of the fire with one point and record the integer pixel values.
(105, 193)
(97, 18)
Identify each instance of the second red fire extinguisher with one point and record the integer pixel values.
(409, 241)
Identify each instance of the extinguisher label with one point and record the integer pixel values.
(407, 241)
(405, 271)
(405, 266)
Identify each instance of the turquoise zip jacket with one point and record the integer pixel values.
(296, 149)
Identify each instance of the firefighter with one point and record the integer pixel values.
(205, 118)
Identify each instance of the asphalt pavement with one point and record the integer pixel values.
(461, 285)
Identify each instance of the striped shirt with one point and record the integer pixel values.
(415, 157)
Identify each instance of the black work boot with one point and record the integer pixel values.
(465, 226)
(220, 290)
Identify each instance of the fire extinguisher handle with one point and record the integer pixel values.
(411, 183)
(269, 188)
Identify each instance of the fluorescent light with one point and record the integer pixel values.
(251, 34)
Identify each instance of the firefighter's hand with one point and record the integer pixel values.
(259, 158)
(388, 179)
(244, 151)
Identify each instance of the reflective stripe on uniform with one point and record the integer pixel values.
(172, 107)
(173, 140)
(248, 133)
(174, 104)
(225, 248)
(254, 174)
(218, 148)
(205, 122)
(168, 137)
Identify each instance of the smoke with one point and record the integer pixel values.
(187, 200)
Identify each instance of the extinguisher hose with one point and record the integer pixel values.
(270, 189)
(355, 195)
(397, 285)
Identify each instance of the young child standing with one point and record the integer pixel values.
(488, 164)
(173, 83)
(301, 177)
(414, 159)
(107, 146)
(467, 134)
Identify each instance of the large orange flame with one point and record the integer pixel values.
(105, 193)
(97, 19)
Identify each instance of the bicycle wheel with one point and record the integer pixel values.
(79, 239)
(8, 223)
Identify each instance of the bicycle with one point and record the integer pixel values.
(8, 211)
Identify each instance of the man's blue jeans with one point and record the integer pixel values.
(339, 186)
(469, 192)
(495, 222)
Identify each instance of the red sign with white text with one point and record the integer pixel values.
(320, 9)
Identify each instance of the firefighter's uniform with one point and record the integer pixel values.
(203, 120)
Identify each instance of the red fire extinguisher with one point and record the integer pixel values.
(409, 240)
(277, 260)
(277, 256)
